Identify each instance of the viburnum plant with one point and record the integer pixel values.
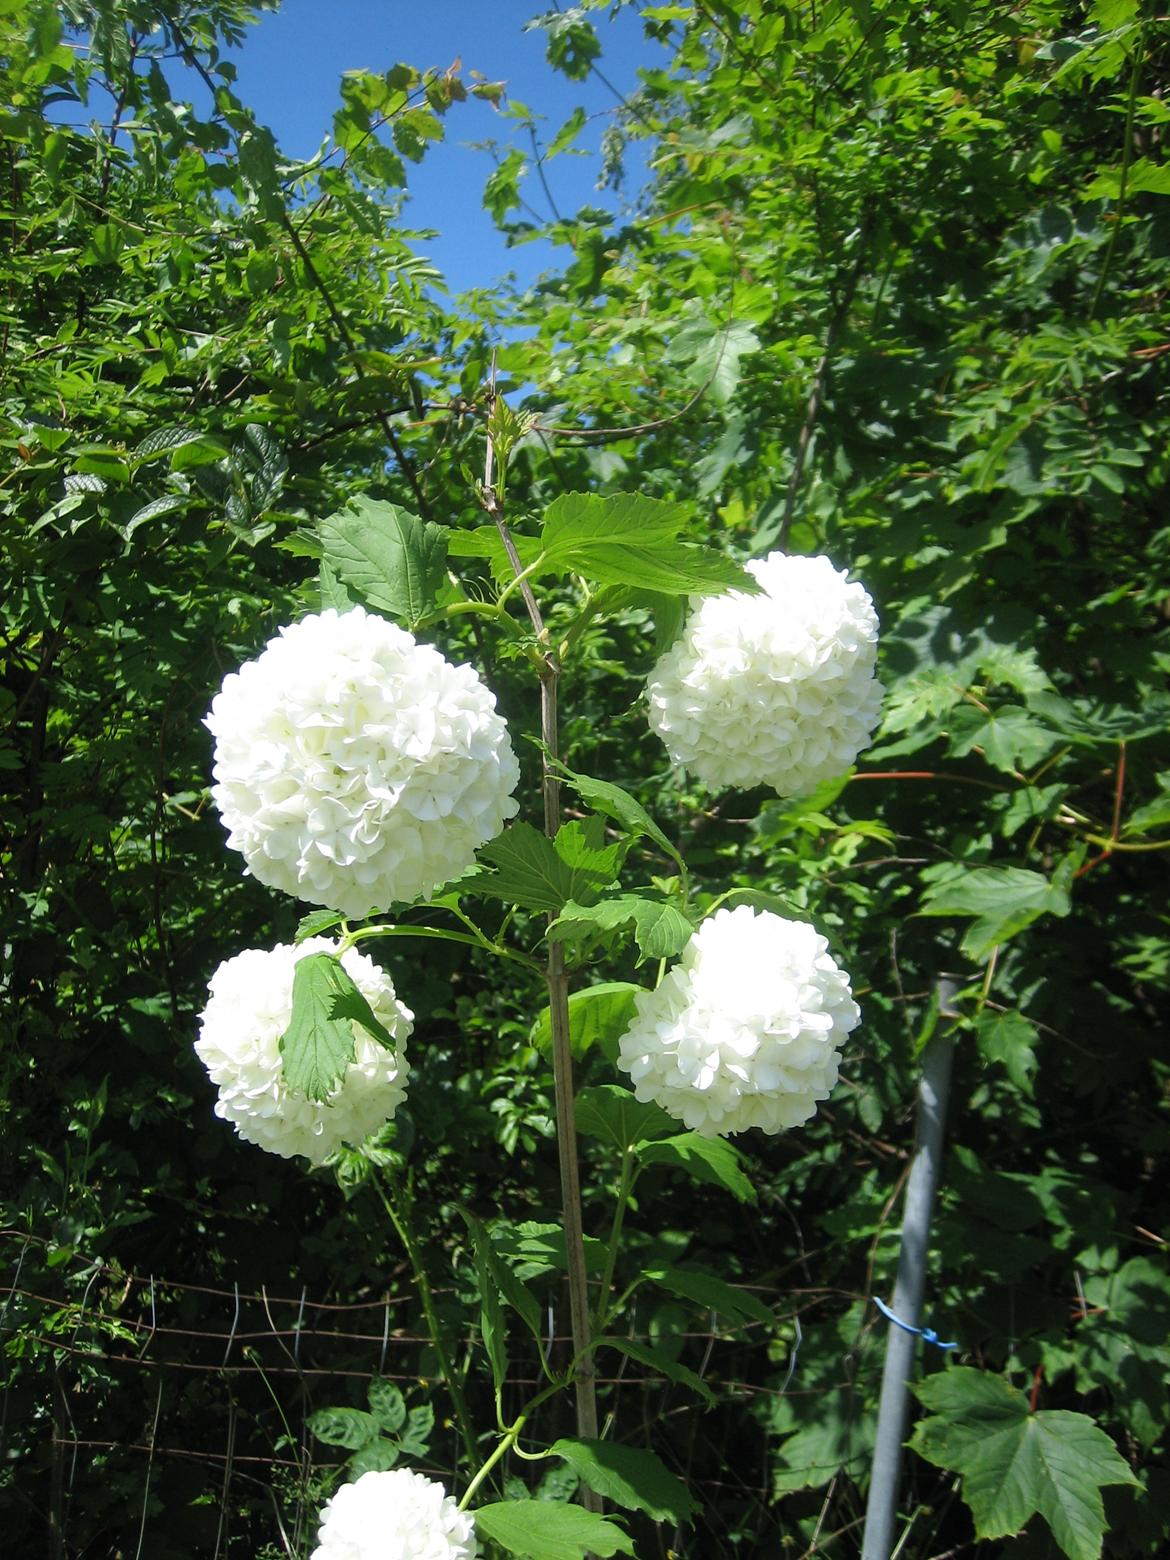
(361, 771)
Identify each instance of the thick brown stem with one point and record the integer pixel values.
(558, 1004)
(558, 1007)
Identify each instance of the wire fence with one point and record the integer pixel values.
(151, 1370)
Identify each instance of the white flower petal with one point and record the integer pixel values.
(354, 767)
(744, 1031)
(394, 1515)
(775, 689)
(249, 1004)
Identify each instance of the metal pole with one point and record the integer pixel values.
(881, 1511)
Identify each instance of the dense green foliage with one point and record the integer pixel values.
(895, 292)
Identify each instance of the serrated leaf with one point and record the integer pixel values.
(527, 871)
(1093, 722)
(535, 1249)
(575, 520)
(392, 559)
(630, 1476)
(375, 1457)
(598, 1016)
(415, 1437)
(492, 1324)
(1009, 738)
(605, 797)
(518, 1296)
(627, 539)
(706, 1159)
(318, 1044)
(1008, 1038)
(1004, 901)
(1152, 815)
(655, 1360)
(581, 845)
(1015, 1464)
(387, 1404)
(613, 1114)
(485, 542)
(349, 1427)
(712, 352)
(544, 1530)
(567, 134)
(660, 928)
(704, 1289)
(316, 922)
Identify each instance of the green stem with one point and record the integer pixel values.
(507, 1440)
(401, 1222)
(480, 940)
(629, 1174)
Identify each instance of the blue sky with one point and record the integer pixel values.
(290, 68)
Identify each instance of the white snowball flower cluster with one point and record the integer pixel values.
(743, 1031)
(395, 1515)
(355, 767)
(775, 689)
(248, 1009)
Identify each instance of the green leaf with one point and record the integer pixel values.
(1015, 1464)
(535, 1249)
(605, 797)
(706, 1159)
(154, 510)
(1152, 815)
(611, 1113)
(632, 1477)
(660, 928)
(485, 542)
(655, 1360)
(1008, 1038)
(203, 450)
(712, 353)
(387, 1404)
(492, 1323)
(318, 1044)
(704, 1289)
(581, 845)
(528, 871)
(316, 922)
(598, 1016)
(350, 1427)
(1004, 901)
(838, 1435)
(514, 1291)
(1010, 738)
(162, 441)
(415, 1438)
(626, 539)
(375, 1457)
(567, 134)
(1093, 722)
(545, 1530)
(579, 520)
(393, 560)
